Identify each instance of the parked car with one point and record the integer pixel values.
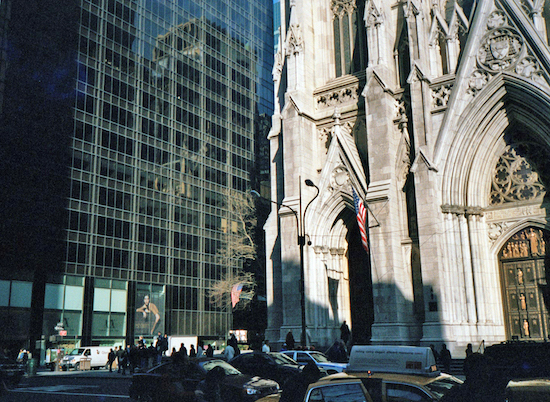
(320, 359)
(11, 372)
(273, 365)
(520, 369)
(338, 388)
(528, 390)
(178, 382)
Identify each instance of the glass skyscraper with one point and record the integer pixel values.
(126, 124)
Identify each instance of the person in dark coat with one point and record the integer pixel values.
(479, 385)
(111, 359)
(289, 340)
(345, 333)
(119, 353)
(209, 389)
(295, 389)
(446, 359)
(233, 342)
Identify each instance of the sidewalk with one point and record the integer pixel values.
(101, 373)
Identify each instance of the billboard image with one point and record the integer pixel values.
(150, 304)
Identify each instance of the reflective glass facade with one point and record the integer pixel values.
(167, 102)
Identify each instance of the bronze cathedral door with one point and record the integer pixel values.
(523, 273)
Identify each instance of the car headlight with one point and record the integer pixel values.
(251, 391)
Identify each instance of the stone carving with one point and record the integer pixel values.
(325, 136)
(402, 106)
(373, 17)
(342, 7)
(440, 96)
(338, 97)
(295, 42)
(527, 243)
(500, 50)
(495, 230)
(515, 179)
(503, 49)
(339, 178)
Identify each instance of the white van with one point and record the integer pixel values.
(392, 359)
(98, 355)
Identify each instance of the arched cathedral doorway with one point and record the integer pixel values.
(524, 268)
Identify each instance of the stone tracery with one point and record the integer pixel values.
(516, 179)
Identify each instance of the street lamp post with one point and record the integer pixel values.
(301, 233)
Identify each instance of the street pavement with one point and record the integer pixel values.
(70, 386)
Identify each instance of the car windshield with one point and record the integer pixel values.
(229, 369)
(77, 352)
(442, 386)
(319, 358)
(338, 393)
(281, 358)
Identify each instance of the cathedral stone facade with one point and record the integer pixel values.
(436, 113)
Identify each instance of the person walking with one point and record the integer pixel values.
(295, 390)
(229, 352)
(209, 389)
(233, 342)
(469, 350)
(265, 347)
(289, 340)
(119, 354)
(446, 359)
(192, 351)
(345, 333)
(111, 359)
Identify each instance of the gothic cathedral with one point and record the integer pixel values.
(436, 114)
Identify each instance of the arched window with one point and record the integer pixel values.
(349, 36)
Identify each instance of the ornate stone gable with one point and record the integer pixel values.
(504, 49)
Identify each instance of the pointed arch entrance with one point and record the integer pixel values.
(524, 267)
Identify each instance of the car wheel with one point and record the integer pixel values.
(77, 366)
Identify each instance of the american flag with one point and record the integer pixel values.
(236, 294)
(361, 213)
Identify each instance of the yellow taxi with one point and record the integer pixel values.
(333, 388)
(399, 373)
(388, 373)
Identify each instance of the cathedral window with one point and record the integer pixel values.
(349, 36)
(517, 177)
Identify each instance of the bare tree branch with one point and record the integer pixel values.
(239, 247)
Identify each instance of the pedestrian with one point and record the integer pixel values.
(469, 350)
(435, 353)
(192, 351)
(119, 356)
(446, 359)
(209, 351)
(209, 389)
(183, 352)
(200, 349)
(233, 342)
(265, 347)
(125, 359)
(289, 340)
(295, 390)
(478, 386)
(111, 357)
(345, 333)
(229, 352)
